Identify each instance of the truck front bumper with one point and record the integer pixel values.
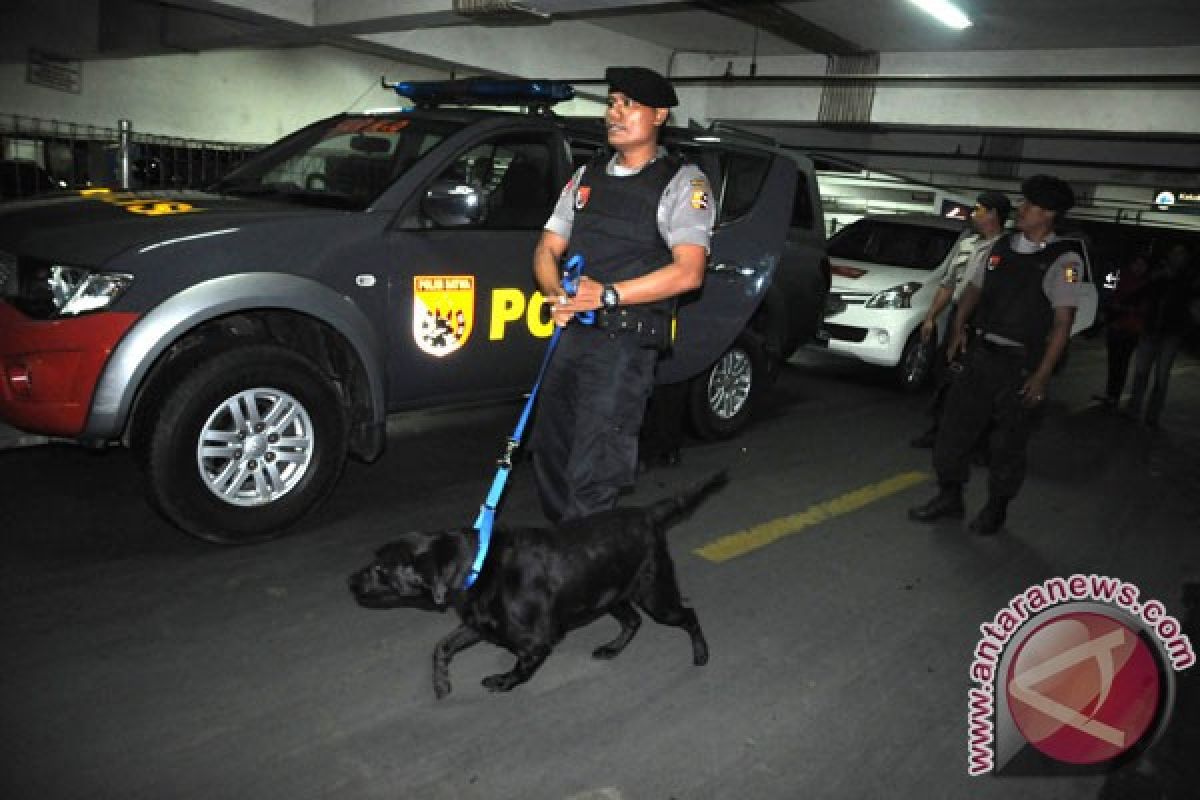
(50, 367)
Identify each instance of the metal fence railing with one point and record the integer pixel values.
(39, 155)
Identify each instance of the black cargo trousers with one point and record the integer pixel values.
(987, 390)
(589, 413)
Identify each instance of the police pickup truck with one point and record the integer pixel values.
(244, 340)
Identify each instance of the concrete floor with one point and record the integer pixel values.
(138, 663)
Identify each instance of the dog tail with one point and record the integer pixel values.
(680, 505)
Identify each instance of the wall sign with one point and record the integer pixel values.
(1184, 200)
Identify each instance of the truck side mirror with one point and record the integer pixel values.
(451, 203)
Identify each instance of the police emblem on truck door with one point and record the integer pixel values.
(443, 312)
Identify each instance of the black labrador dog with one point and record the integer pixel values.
(537, 584)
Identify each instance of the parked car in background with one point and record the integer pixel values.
(886, 270)
(21, 178)
(243, 341)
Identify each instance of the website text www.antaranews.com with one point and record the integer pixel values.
(1035, 599)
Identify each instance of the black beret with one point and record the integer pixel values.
(643, 85)
(1048, 192)
(995, 201)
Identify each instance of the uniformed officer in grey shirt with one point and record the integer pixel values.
(681, 219)
(640, 222)
(1060, 283)
(987, 219)
(1023, 297)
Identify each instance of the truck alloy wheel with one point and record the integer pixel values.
(246, 444)
(722, 397)
(255, 447)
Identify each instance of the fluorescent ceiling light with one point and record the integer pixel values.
(946, 13)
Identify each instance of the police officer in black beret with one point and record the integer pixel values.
(641, 219)
(1023, 297)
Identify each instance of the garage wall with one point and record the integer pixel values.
(1139, 109)
(561, 50)
(250, 96)
(256, 96)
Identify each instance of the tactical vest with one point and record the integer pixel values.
(1013, 304)
(616, 223)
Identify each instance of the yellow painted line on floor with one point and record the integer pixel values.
(747, 541)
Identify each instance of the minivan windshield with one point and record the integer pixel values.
(342, 162)
(896, 244)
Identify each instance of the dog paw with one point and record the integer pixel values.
(499, 683)
(606, 653)
(700, 656)
(441, 688)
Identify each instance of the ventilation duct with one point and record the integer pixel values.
(849, 102)
(1000, 155)
(500, 13)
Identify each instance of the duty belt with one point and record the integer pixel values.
(653, 328)
(1014, 349)
(637, 320)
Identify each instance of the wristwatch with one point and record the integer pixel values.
(609, 297)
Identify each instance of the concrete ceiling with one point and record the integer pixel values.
(735, 28)
(898, 26)
(580, 36)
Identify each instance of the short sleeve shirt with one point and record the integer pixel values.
(686, 210)
(977, 249)
(1061, 283)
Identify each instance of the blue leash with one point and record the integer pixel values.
(487, 511)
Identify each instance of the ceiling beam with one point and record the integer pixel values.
(384, 16)
(769, 16)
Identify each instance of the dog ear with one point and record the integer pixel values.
(438, 567)
(451, 561)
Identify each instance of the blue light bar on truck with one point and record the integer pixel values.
(483, 91)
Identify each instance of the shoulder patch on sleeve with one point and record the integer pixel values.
(1071, 272)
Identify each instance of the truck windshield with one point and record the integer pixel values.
(344, 162)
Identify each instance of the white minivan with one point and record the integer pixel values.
(885, 272)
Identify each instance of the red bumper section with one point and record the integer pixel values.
(50, 368)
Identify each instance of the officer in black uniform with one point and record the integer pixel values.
(1023, 296)
(641, 220)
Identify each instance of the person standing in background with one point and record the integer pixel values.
(1126, 321)
(1024, 300)
(988, 219)
(1174, 288)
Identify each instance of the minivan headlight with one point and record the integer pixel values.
(63, 291)
(894, 297)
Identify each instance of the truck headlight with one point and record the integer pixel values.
(895, 297)
(63, 291)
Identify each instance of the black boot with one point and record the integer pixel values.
(991, 518)
(947, 503)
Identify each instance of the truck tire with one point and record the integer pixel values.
(247, 443)
(722, 398)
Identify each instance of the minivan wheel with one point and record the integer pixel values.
(916, 362)
(246, 444)
(722, 398)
